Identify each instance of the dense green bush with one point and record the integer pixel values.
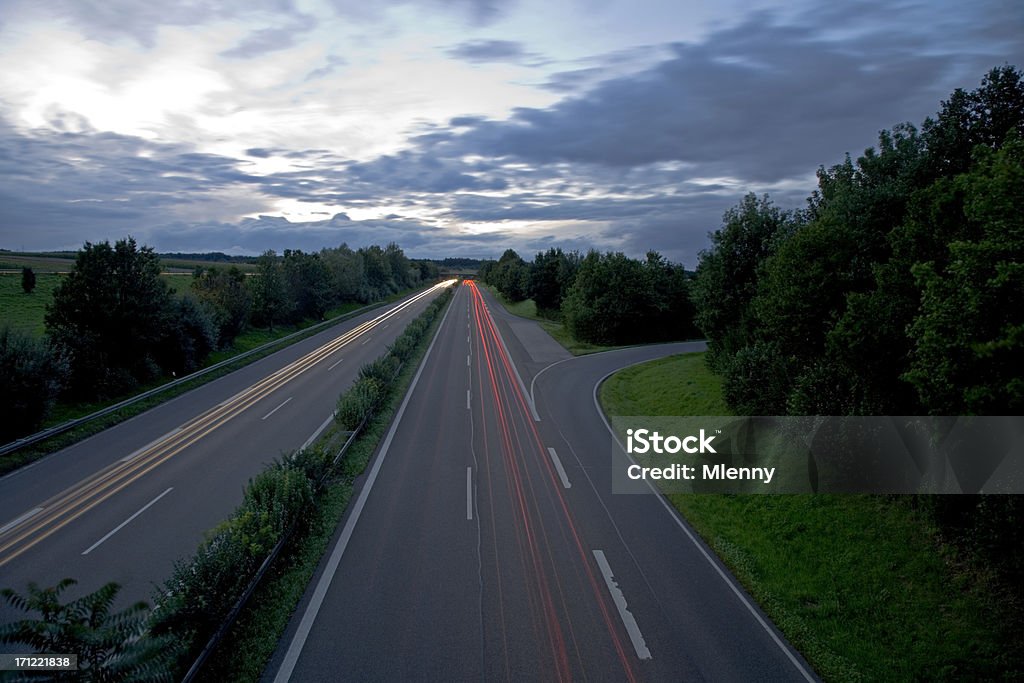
(31, 374)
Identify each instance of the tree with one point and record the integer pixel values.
(309, 284)
(28, 280)
(346, 273)
(510, 276)
(969, 336)
(729, 273)
(269, 293)
(602, 303)
(111, 646)
(551, 276)
(32, 375)
(225, 292)
(108, 316)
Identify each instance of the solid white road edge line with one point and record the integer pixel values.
(469, 493)
(693, 539)
(558, 466)
(318, 432)
(277, 408)
(291, 657)
(126, 522)
(639, 644)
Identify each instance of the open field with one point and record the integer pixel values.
(23, 311)
(861, 585)
(63, 261)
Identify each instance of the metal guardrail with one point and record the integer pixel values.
(236, 610)
(232, 616)
(78, 421)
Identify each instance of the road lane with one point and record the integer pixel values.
(537, 579)
(205, 445)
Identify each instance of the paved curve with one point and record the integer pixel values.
(486, 544)
(125, 504)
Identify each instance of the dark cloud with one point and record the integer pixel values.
(481, 51)
(268, 40)
(760, 101)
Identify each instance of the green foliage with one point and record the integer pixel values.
(31, 374)
(226, 293)
(111, 646)
(729, 272)
(551, 275)
(359, 402)
(203, 589)
(758, 380)
(861, 585)
(377, 379)
(28, 280)
(900, 291)
(270, 301)
(190, 335)
(510, 276)
(896, 291)
(618, 300)
(970, 331)
(109, 316)
(308, 283)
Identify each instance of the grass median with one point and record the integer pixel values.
(863, 586)
(251, 642)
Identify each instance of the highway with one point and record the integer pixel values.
(125, 504)
(486, 544)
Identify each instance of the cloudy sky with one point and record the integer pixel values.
(453, 127)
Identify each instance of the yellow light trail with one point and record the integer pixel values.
(67, 506)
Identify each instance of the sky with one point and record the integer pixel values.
(453, 127)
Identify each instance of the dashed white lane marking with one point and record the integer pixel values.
(620, 603)
(126, 522)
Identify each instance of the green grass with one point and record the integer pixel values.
(23, 311)
(557, 330)
(252, 640)
(863, 586)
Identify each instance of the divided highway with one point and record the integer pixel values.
(486, 544)
(125, 504)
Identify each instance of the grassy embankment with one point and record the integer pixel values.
(26, 312)
(863, 586)
(556, 328)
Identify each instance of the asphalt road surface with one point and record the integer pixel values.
(485, 543)
(125, 504)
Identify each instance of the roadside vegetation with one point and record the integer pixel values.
(898, 291)
(297, 501)
(112, 325)
(596, 301)
(865, 587)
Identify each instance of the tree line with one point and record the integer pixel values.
(898, 290)
(114, 323)
(603, 298)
